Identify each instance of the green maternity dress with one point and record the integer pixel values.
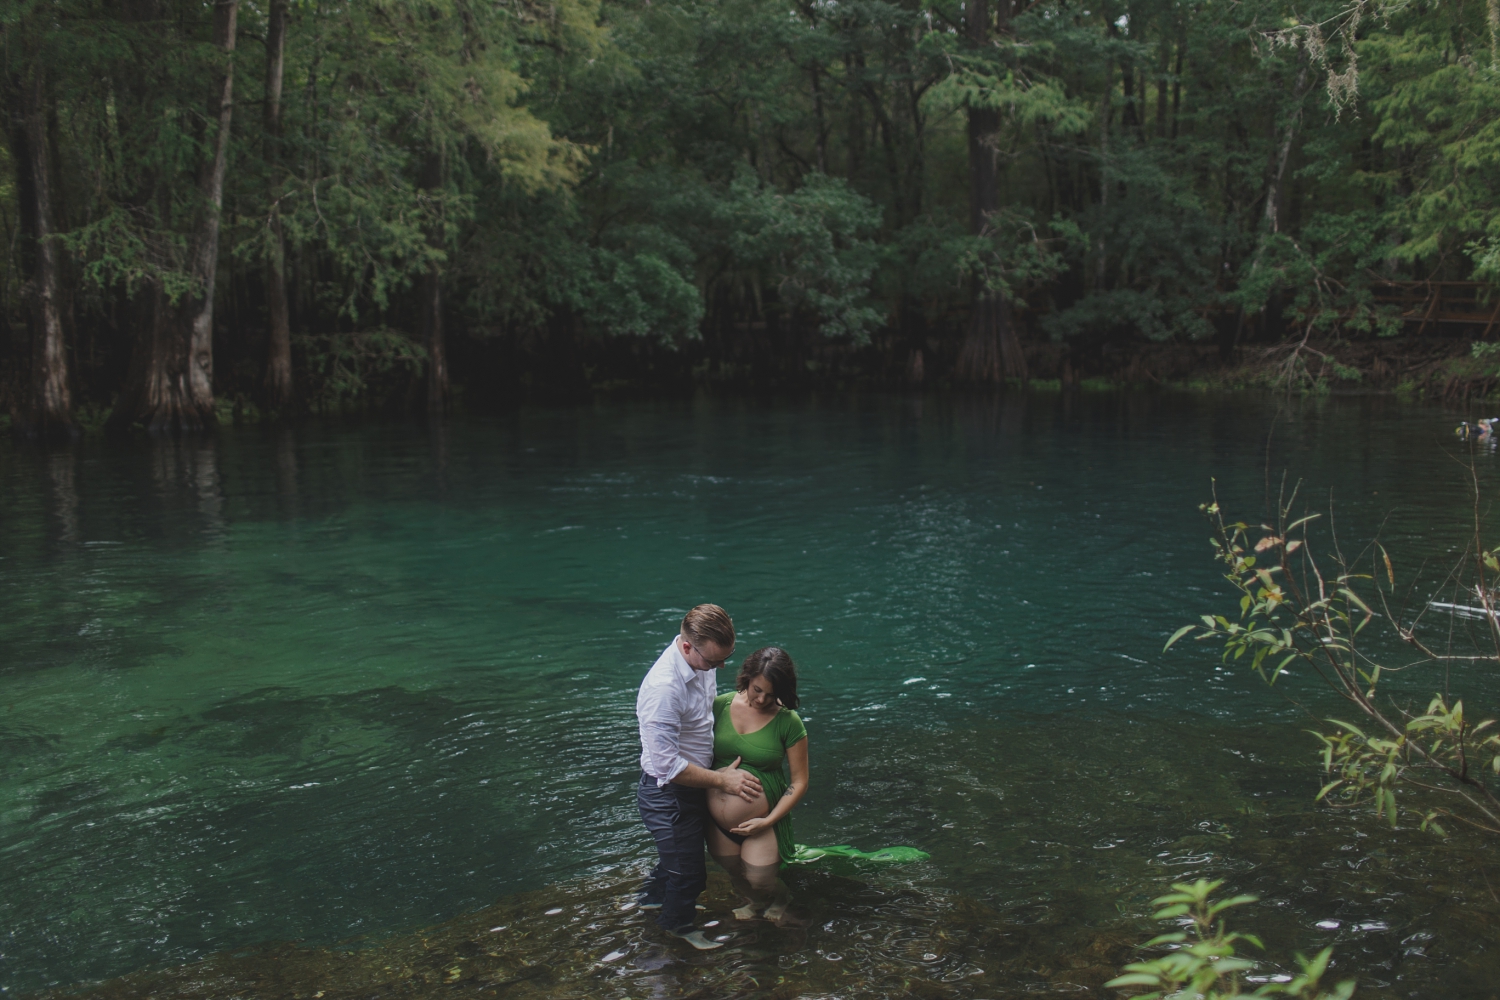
(763, 754)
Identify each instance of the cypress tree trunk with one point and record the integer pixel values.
(892, 158)
(854, 74)
(1163, 70)
(170, 385)
(1106, 111)
(1493, 10)
(991, 350)
(819, 123)
(279, 334)
(1276, 175)
(437, 353)
(48, 401)
(156, 382)
(211, 185)
(431, 305)
(917, 168)
(1177, 78)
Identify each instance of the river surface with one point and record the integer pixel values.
(349, 711)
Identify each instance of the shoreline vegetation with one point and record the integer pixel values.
(210, 207)
(1453, 371)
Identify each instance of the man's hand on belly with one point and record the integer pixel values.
(737, 782)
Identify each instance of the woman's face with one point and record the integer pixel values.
(760, 695)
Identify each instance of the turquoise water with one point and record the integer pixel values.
(376, 685)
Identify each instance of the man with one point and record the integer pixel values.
(675, 711)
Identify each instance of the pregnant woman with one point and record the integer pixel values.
(759, 725)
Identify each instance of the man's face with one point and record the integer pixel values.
(704, 656)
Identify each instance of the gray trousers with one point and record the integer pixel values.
(677, 817)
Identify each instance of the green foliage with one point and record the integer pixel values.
(1202, 961)
(1369, 768)
(1013, 256)
(1296, 611)
(1009, 76)
(1438, 110)
(117, 252)
(1328, 271)
(642, 295)
(394, 114)
(1486, 256)
(132, 107)
(412, 104)
(659, 171)
(811, 245)
(346, 369)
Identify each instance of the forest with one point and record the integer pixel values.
(221, 208)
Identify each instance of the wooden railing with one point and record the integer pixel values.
(1431, 303)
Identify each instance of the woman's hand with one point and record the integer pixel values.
(751, 826)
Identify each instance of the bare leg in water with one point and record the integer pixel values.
(752, 865)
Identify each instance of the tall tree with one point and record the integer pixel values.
(278, 333)
(170, 385)
(205, 262)
(991, 350)
(430, 303)
(48, 407)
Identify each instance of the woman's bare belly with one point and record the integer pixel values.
(729, 811)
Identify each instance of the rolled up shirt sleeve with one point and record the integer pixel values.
(661, 752)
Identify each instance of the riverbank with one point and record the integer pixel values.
(1445, 369)
(1448, 369)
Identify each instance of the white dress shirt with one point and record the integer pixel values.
(675, 708)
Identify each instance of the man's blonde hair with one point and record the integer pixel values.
(709, 623)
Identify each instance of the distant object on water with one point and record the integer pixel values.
(1480, 430)
(1489, 605)
(1463, 610)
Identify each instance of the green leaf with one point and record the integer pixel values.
(1232, 901)
(1349, 726)
(1135, 979)
(1178, 635)
(1313, 968)
(1354, 598)
(1174, 938)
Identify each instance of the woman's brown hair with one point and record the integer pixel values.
(776, 666)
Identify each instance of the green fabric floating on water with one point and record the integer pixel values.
(893, 854)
